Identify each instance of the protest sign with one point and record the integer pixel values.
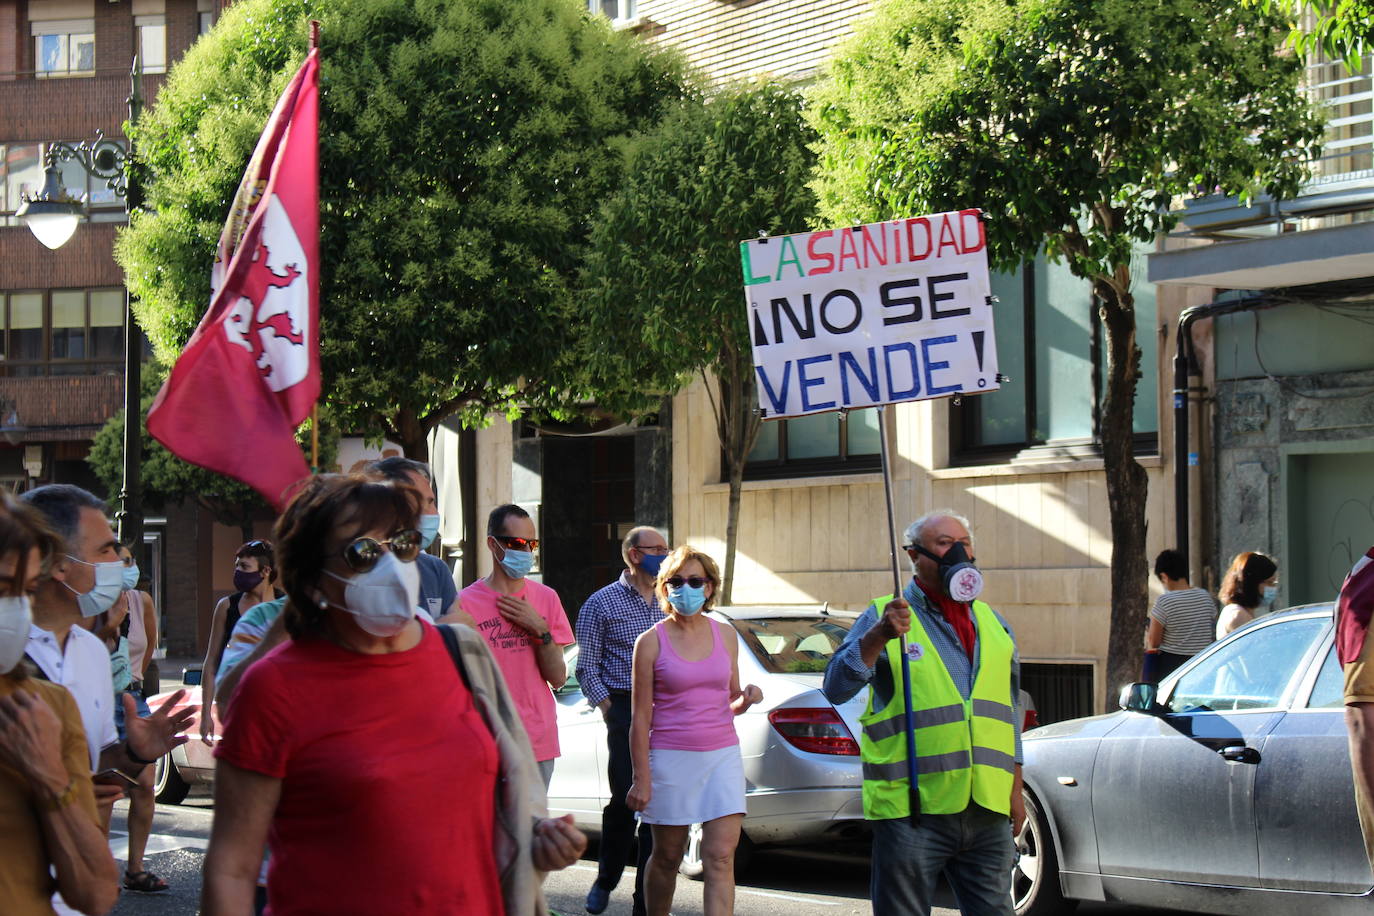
(869, 315)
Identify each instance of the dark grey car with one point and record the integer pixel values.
(1228, 792)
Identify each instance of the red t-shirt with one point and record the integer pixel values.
(516, 654)
(957, 613)
(388, 780)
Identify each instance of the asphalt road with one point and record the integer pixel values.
(778, 883)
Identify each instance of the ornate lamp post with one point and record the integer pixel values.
(52, 215)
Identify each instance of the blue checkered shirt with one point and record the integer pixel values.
(847, 674)
(607, 627)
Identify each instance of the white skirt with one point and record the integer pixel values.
(693, 787)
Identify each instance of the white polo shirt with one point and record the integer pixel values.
(84, 669)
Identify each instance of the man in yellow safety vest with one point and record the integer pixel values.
(964, 677)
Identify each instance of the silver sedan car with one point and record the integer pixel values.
(1227, 790)
(801, 759)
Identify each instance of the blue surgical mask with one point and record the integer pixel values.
(685, 599)
(650, 562)
(429, 530)
(131, 576)
(109, 576)
(517, 563)
(1269, 594)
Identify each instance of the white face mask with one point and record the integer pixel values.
(109, 582)
(383, 599)
(16, 616)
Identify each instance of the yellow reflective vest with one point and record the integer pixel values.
(965, 749)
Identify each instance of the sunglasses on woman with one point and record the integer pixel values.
(679, 581)
(363, 553)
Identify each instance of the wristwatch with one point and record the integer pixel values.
(546, 638)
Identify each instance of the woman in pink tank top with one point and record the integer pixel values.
(687, 766)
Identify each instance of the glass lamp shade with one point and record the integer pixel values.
(52, 215)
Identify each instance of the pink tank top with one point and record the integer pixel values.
(692, 699)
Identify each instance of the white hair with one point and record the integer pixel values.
(915, 532)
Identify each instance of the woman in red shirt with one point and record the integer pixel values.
(356, 749)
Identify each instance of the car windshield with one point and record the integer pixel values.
(791, 645)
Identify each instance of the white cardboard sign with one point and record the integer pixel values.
(848, 318)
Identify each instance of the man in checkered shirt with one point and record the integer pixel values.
(607, 627)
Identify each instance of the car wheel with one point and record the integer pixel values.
(691, 865)
(168, 786)
(1035, 889)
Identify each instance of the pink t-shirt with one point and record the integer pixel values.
(692, 699)
(515, 652)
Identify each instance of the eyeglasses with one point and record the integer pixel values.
(255, 545)
(515, 543)
(693, 581)
(657, 549)
(363, 553)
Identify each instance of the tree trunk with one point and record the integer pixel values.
(737, 425)
(412, 433)
(1127, 484)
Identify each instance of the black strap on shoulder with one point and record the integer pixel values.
(450, 637)
(234, 602)
(38, 672)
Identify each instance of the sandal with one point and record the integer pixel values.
(145, 882)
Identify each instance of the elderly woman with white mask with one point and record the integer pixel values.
(50, 834)
(380, 754)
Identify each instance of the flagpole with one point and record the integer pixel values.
(315, 410)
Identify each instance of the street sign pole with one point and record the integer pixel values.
(912, 770)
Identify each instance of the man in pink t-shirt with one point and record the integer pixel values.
(524, 624)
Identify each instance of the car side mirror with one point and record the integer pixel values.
(1140, 697)
(190, 677)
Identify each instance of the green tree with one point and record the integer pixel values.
(1076, 125)
(463, 151)
(663, 273)
(166, 479)
(1344, 29)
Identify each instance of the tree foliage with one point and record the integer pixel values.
(166, 479)
(1344, 29)
(663, 272)
(1075, 125)
(464, 147)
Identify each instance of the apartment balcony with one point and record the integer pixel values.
(58, 408)
(1325, 234)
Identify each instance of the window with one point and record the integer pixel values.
(789, 645)
(614, 10)
(206, 20)
(152, 43)
(1252, 671)
(1329, 691)
(62, 332)
(1050, 346)
(823, 443)
(64, 48)
(21, 172)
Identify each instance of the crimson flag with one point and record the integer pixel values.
(251, 372)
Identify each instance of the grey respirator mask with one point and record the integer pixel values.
(962, 580)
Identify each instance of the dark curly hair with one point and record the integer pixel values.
(315, 527)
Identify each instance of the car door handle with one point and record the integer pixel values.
(1240, 754)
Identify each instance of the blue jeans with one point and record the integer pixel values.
(973, 848)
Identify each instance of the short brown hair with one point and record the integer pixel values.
(265, 553)
(308, 532)
(674, 562)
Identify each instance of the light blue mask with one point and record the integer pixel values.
(1269, 594)
(685, 599)
(130, 576)
(518, 563)
(429, 530)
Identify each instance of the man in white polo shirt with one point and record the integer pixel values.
(83, 582)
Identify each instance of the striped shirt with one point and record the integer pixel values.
(607, 627)
(1189, 617)
(847, 674)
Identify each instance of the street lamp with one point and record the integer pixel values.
(52, 214)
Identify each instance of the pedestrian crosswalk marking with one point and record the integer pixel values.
(157, 842)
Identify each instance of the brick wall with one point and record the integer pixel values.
(736, 39)
(63, 401)
(85, 261)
